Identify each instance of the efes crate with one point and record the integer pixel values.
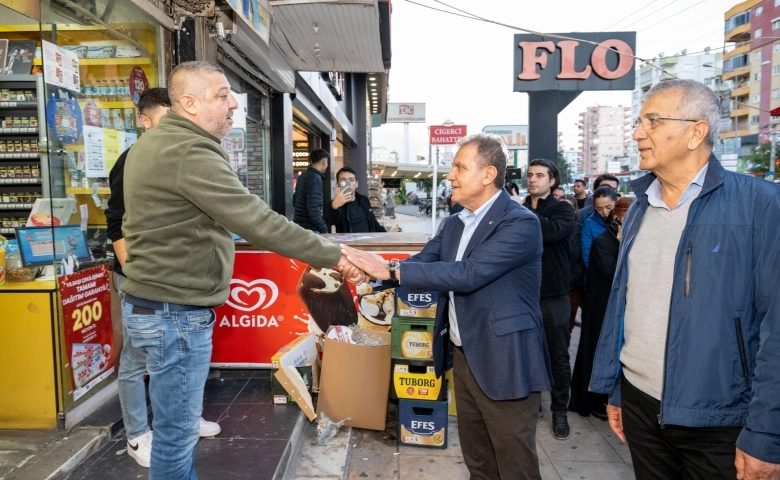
(416, 380)
(412, 338)
(422, 424)
(415, 303)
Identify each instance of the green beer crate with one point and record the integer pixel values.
(412, 338)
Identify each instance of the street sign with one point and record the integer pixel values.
(446, 134)
(405, 113)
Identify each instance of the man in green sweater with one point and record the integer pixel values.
(180, 213)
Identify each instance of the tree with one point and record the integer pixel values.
(758, 160)
(563, 168)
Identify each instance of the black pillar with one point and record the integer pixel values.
(323, 142)
(543, 110)
(281, 154)
(359, 120)
(185, 46)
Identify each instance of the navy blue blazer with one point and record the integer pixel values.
(496, 287)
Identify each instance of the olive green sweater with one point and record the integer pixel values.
(182, 202)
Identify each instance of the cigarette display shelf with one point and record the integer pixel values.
(20, 156)
(20, 181)
(17, 105)
(132, 61)
(7, 231)
(16, 206)
(19, 131)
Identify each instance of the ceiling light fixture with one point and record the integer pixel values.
(372, 78)
(373, 84)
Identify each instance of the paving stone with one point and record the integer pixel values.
(594, 471)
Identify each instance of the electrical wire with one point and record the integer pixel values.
(650, 15)
(673, 15)
(629, 15)
(472, 16)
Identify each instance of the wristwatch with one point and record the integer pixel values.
(393, 266)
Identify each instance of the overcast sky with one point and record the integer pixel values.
(463, 69)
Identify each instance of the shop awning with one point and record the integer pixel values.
(410, 170)
(329, 35)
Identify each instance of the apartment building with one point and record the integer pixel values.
(604, 136)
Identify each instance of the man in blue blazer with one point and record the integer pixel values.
(486, 262)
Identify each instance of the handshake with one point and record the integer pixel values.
(359, 267)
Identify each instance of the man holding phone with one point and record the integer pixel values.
(350, 211)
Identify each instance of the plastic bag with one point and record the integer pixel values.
(369, 338)
(327, 428)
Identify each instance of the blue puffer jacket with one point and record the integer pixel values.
(723, 346)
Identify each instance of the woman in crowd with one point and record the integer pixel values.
(575, 262)
(390, 204)
(601, 271)
(604, 199)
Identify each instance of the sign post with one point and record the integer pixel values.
(554, 72)
(446, 134)
(406, 113)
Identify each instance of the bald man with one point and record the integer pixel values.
(180, 212)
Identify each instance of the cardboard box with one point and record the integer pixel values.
(354, 383)
(298, 353)
(422, 424)
(416, 380)
(281, 396)
(412, 338)
(415, 303)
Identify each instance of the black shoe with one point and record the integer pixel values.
(560, 426)
(540, 412)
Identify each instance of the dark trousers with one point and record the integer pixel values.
(674, 452)
(498, 438)
(555, 316)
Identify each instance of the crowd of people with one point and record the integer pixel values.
(680, 341)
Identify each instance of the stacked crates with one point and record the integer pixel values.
(422, 397)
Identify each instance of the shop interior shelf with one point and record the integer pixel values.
(16, 206)
(20, 181)
(114, 61)
(19, 156)
(17, 105)
(87, 191)
(7, 231)
(19, 131)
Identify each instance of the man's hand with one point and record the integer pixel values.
(353, 274)
(749, 468)
(371, 263)
(615, 416)
(342, 198)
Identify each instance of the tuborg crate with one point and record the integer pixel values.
(412, 338)
(416, 380)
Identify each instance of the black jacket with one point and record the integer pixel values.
(340, 216)
(116, 204)
(575, 258)
(557, 222)
(307, 201)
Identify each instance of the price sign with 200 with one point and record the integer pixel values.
(84, 316)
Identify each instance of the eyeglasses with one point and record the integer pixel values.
(648, 123)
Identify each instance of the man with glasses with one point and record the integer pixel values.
(690, 346)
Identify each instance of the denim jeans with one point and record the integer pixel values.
(132, 394)
(177, 347)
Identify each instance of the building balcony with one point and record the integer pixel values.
(740, 92)
(736, 73)
(738, 34)
(740, 133)
(741, 112)
(737, 51)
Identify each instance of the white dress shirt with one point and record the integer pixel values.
(470, 223)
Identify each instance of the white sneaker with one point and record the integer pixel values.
(140, 448)
(209, 429)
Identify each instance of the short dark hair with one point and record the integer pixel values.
(552, 170)
(606, 191)
(560, 188)
(346, 170)
(318, 154)
(572, 200)
(491, 152)
(604, 176)
(579, 180)
(153, 98)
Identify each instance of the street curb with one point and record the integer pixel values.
(286, 466)
(84, 453)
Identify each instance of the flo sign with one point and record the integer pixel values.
(553, 71)
(544, 63)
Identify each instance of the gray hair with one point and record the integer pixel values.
(697, 102)
(188, 78)
(491, 152)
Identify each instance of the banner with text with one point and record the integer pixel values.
(89, 336)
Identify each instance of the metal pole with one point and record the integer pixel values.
(434, 197)
(406, 142)
(771, 166)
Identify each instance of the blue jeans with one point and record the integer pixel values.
(177, 346)
(132, 394)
